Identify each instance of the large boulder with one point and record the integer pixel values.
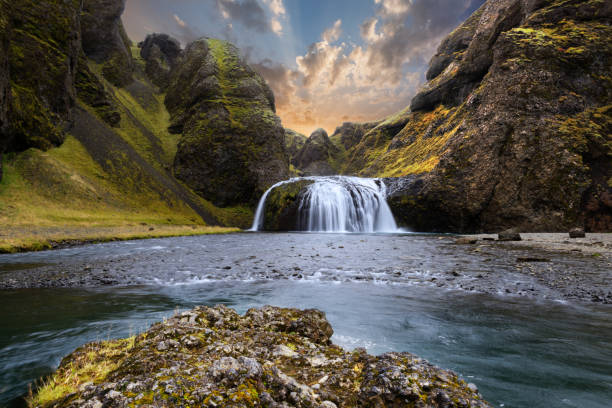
(350, 134)
(513, 129)
(105, 40)
(160, 52)
(281, 211)
(317, 156)
(270, 357)
(233, 145)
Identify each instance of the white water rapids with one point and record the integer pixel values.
(338, 204)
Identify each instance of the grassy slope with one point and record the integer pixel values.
(67, 188)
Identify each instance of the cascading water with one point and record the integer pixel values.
(338, 204)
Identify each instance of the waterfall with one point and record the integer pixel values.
(338, 204)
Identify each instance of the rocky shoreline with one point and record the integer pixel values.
(270, 357)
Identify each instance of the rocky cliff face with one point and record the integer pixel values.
(42, 54)
(161, 52)
(105, 40)
(513, 128)
(294, 142)
(233, 145)
(317, 155)
(270, 357)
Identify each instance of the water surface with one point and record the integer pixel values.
(379, 291)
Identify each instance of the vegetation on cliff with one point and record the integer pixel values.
(232, 146)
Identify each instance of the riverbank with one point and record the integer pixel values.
(14, 239)
(593, 244)
(212, 356)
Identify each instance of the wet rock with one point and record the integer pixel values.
(465, 241)
(233, 366)
(577, 233)
(509, 235)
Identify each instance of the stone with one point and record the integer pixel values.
(509, 235)
(465, 241)
(314, 159)
(105, 41)
(577, 233)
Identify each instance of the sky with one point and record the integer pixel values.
(327, 61)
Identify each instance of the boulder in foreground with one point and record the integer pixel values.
(270, 357)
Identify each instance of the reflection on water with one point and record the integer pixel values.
(519, 352)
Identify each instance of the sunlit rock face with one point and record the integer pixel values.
(233, 145)
(511, 129)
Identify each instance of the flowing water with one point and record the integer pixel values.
(401, 292)
(338, 204)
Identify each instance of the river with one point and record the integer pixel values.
(520, 341)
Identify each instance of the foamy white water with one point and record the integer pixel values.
(338, 204)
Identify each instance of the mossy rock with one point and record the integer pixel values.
(281, 211)
(233, 145)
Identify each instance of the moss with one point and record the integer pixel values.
(91, 363)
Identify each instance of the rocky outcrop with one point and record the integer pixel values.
(43, 53)
(294, 142)
(160, 52)
(233, 145)
(270, 357)
(317, 155)
(513, 128)
(350, 134)
(281, 211)
(105, 40)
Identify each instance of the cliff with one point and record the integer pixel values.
(84, 138)
(513, 128)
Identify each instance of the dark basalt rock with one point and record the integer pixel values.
(314, 159)
(509, 235)
(270, 357)
(233, 144)
(105, 40)
(577, 233)
(160, 52)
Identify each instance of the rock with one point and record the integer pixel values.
(281, 212)
(4, 78)
(42, 66)
(294, 142)
(233, 366)
(105, 41)
(161, 53)
(315, 158)
(350, 134)
(511, 108)
(509, 235)
(577, 233)
(465, 240)
(233, 145)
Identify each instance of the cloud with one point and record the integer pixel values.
(248, 12)
(179, 21)
(333, 33)
(337, 82)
